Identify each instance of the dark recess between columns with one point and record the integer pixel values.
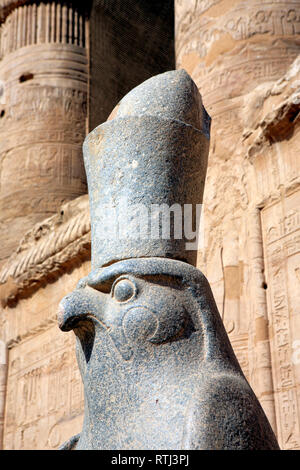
(130, 41)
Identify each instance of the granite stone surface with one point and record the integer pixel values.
(153, 152)
(157, 365)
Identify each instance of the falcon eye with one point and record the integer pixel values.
(123, 290)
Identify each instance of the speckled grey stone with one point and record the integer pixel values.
(157, 366)
(154, 151)
(156, 363)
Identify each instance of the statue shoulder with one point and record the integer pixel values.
(71, 443)
(225, 414)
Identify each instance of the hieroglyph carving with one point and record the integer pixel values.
(43, 374)
(281, 231)
(240, 23)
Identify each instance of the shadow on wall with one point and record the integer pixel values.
(130, 42)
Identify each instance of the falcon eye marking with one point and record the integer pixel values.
(123, 290)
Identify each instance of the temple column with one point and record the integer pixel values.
(262, 378)
(44, 78)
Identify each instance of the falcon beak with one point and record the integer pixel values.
(81, 304)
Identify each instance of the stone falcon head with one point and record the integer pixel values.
(156, 363)
(157, 367)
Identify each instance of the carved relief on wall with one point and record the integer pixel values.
(243, 21)
(247, 66)
(43, 374)
(46, 127)
(232, 47)
(281, 232)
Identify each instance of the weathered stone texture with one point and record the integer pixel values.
(56, 245)
(243, 57)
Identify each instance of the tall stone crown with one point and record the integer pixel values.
(153, 151)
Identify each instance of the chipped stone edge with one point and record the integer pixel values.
(276, 125)
(279, 123)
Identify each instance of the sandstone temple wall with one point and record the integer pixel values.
(243, 56)
(44, 396)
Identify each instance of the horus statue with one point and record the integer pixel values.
(156, 363)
